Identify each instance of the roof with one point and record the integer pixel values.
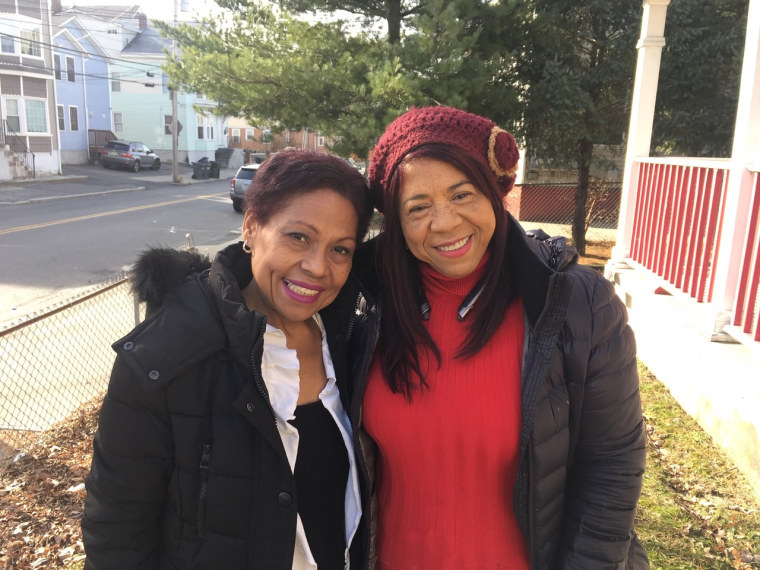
(108, 11)
(148, 41)
(63, 22)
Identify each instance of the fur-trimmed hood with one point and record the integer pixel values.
(158, 270)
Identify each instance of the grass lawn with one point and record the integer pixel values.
(696, 510)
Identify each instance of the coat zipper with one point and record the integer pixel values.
(204, 467)
(257, 380)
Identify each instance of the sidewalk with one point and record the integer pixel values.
(87, 179)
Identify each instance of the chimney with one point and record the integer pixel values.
(56, 7)
(143, 19)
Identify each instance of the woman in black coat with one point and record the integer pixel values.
(223, 439)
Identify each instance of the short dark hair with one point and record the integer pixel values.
(291, 173)
(402, 332)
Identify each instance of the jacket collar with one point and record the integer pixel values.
(528, 266)
(230, 273)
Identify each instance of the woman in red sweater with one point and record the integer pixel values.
(502, 403)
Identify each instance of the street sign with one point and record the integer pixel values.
(168, 126)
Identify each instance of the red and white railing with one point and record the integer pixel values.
(677, 222)
(678, 226)
(747, 312)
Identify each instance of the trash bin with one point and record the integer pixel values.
(213, 169)
(200, 170)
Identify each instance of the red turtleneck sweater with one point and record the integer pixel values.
(448, 460)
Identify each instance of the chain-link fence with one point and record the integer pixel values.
(550, 207)
(54, 361)
(57, 359)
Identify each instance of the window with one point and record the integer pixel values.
(73, 118)
(61, 119)
(36, 117)
(12, 116)
(70, 74)
(115, 82)
(57, 65)
(118, 123)
(320, 139)
(7, 45)
(249, 135)
(199, 122)
(235, 135)
(30, 41)
(209, 132)
(167, 124)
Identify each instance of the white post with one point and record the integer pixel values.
(650, 46)
(746, 150)
(175, 134)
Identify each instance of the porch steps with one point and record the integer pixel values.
(15, 164)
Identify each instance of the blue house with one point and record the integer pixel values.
(83, 95)
(138, 105)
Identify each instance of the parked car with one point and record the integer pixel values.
(132, 155)
(240, 183)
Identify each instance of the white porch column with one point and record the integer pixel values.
(746, 150)
(650, 46)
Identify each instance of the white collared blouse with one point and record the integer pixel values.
(280, 367)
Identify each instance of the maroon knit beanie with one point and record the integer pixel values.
(474, 135)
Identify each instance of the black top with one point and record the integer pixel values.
(321, 475)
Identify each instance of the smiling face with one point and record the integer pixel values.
(447, 221)
(301, 257)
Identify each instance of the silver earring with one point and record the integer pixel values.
(247, 248)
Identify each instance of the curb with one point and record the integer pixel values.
(67, 196)
(44, 180)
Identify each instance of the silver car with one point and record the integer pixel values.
(240, 183)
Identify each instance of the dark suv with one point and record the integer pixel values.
(132, 155)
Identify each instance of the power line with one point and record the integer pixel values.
(106, 59)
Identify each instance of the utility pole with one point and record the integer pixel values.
(173, 88)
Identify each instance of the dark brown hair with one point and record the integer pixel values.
(285, 176)
(402, 330)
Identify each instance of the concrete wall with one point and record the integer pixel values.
(718, 384)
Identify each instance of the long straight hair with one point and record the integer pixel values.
(402, 332)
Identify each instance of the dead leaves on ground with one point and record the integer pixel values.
(42, 495)
(716, 520)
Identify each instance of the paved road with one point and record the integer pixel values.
(60, 238)
(63, 237)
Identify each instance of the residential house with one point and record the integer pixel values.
(28, 137)
(140, 98)
(242, 135)
(83, 97)
(687, 258)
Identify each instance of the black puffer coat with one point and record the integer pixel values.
(582, 444)
(189, 470)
